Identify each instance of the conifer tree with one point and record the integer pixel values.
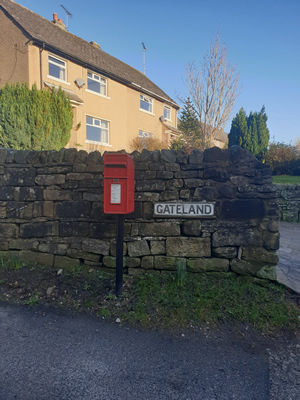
(34, 119)
(239, 129)
(250, 132)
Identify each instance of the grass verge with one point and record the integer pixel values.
(286, 179)
(156, 300)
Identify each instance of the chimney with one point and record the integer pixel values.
(58, 22)
(95, 44)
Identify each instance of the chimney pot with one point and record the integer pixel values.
(55, 16)
(60, 20)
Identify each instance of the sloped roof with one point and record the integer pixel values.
(45, 32)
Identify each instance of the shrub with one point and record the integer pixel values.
(34, 119)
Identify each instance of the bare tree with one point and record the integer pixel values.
(213, 89)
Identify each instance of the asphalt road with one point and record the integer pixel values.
(48, 355)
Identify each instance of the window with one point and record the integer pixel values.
(97, 130)
(57, 68)
(146, 104)
(96, 84)
(167, 112)
(144, 138)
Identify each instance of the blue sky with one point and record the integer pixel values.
(262, 39)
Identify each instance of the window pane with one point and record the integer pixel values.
(145, 106)
(89, 75)
(56, 61)
(56, 72)
(94, 86)
(104, 136)
(167, 113)
(89, 120)
(93, 133)
(103, 90)
(96, 122)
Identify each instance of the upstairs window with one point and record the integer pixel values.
(167, 112)
(97, 130)
(97, 84)
(57, 68)
(146, 104)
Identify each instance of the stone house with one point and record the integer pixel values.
(112, 102)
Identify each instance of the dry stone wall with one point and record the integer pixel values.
(289, 202)
(51, 208)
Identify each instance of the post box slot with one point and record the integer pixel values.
(115, 165)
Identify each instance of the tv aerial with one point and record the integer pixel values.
(144, 52)
(68, 14)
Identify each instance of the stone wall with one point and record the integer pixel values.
(51, 208)
(289, 202)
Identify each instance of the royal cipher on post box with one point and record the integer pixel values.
(118, 184)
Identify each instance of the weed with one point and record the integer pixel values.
(181, 271)
(111, 296)
(33, 300)
(2, 281)
(103, 312)
(86, 286)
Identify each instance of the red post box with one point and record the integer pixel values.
(118, 184)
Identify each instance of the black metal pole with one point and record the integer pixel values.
(119, 255)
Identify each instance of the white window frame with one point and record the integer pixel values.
(107, 129)
(94, 78)
(168, 109)
(148, 100)
(58, 65)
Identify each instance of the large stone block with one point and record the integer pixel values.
(155, 185)
(7, 193)
(61, 262)
(188, 247)
(192, 227)
(243, 267)
(8, 230)
(243, 209)
(268, 272)
(271, 240)
(165, 263)
(20, 176)
(53, 248)
(138, 248)
(82, 255)
(96, 246)
(73, 209)
(32, 257)
(50, 180)
(158, 247)
(206, 193)
(196, 157)
(216, 174)
(168, 155)
(74, 228)
(38, 229)
(147, 262)
(208, 264)
(236, 237)
(57, 195)
(15, 209)
(28, 194)
(159, 229)
(23, 244)
(259, 254)
(103, 230)
(225, 252)
(131, 262)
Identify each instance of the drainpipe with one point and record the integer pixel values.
(41, 66)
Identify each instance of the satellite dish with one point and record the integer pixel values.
(80, 82)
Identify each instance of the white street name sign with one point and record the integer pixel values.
(184, 210)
